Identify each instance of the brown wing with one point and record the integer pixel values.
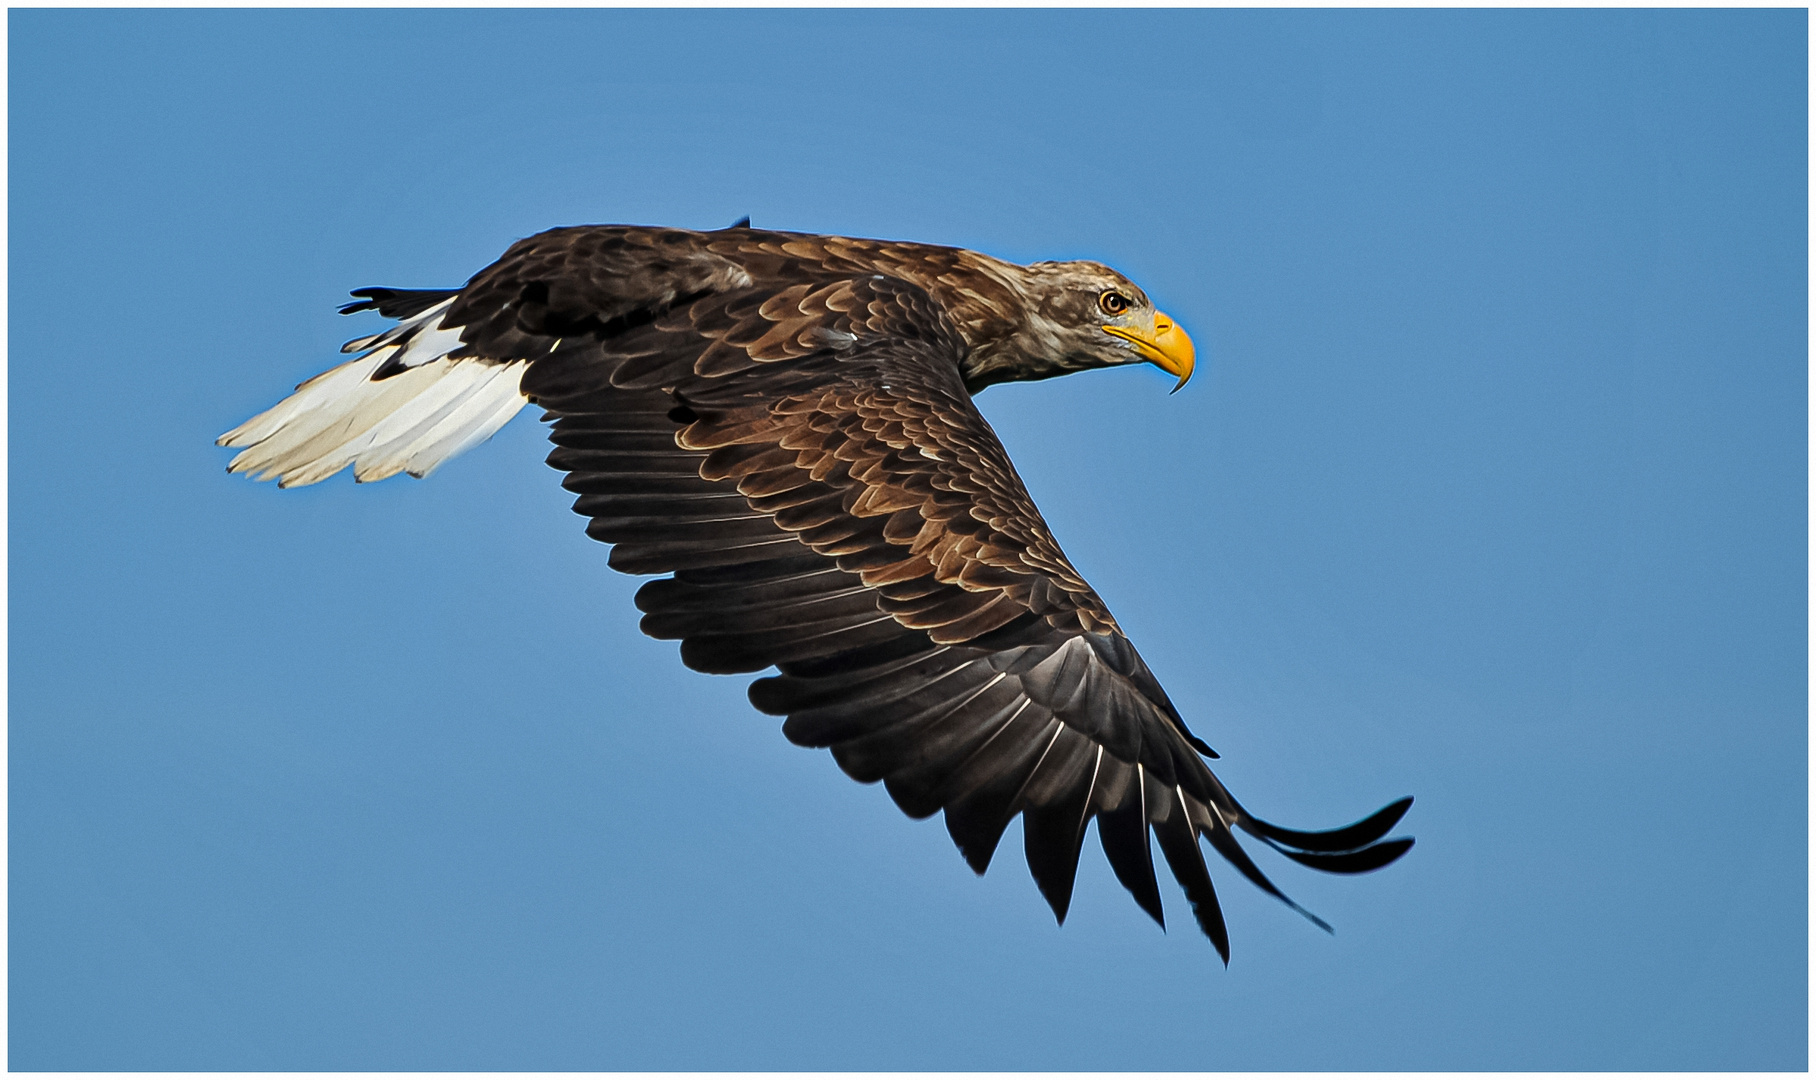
(796, 448)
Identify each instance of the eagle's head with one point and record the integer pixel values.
(1081, 315)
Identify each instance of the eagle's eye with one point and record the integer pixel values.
(1113, 303)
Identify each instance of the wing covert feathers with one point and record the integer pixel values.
(779, 425)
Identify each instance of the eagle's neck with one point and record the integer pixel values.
(1001, 309)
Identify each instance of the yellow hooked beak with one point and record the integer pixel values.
(1165, 346)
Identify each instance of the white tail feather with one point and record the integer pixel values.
(411, 421)
(429, 458)
(468, 424)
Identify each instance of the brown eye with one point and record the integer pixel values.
(1113, 303)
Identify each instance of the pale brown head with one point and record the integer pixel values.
(1082, 315)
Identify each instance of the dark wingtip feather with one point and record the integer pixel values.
(1179, 843)
(977, 856)
(395, 303)
(1225, 843)
(741, 223)
(1350, 862)
(976, 832)
(1058, 894)
(1053, 836)
(1124, 835)
(1333, 841)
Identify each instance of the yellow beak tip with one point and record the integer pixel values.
(1167, 347)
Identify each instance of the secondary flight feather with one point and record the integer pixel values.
(783, 425)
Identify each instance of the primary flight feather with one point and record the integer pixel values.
(783, 424)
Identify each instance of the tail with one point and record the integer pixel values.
(404, 405)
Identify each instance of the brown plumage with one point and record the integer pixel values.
(783, 425)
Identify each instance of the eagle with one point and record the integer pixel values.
(779, 427)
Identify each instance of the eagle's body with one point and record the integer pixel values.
(783, 423)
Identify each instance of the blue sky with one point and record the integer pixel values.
(1491, 489)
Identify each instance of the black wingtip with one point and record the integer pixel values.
(741, 223)
(1364, 861)
(1124, 834)
(369, 299)
(975, 841)
(1179, 843)
(1334, 841)
(395, 303)
(1053, 836)
(1224, 841)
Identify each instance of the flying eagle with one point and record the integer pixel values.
(782, 423)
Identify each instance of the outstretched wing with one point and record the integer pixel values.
(795, 447)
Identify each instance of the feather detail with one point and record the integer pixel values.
(405, 406)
